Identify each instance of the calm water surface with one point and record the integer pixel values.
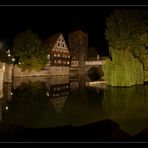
(38, 102)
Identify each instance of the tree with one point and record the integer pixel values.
(29, 51)
(124, 29)
(4, 56)
(126, 34)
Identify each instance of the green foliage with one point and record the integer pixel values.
(125, 29)
(145, 64)
(123, 70)
(127, 38)
(29, 51)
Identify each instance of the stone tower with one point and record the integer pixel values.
(78, 46)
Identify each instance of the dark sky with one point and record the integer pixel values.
(47, 21)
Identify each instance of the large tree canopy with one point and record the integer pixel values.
(126, 28)
(126, 34)
(29, 52)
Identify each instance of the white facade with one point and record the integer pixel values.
(59, 70)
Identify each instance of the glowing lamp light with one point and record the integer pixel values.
(3, 67)
(19, 63)
(9, 55)
(13, 59)
(47, 94)
(11, 93)
(6, 107)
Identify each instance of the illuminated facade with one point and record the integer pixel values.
(59, 56)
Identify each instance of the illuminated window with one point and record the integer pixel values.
(48, 56)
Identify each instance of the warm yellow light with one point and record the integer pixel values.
(13, 59)
(47, 94)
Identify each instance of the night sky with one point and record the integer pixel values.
(47, 21)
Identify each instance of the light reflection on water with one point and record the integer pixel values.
(39, 102)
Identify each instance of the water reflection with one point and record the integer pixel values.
(61, 100)
(59, 91)
(128, 107)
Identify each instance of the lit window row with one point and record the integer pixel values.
(59, 99)
(62, 87)
(74, 62)
(57, 95)
(60, 50)
(60, 55)
(61, 62)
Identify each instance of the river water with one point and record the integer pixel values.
(38, 102)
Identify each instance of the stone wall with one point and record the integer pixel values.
(59, 70)
(54, 70)
(8, 73)
(19, 73)
(2, 69)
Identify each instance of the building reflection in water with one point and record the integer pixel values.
(59, 90)
(128, 107)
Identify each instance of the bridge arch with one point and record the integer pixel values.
(95, 72)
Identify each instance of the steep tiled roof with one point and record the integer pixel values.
(52, 40)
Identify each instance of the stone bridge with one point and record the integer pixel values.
(95, 63)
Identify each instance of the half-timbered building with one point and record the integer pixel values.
(59, 56)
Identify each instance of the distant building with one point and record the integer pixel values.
(59, 56)
(78, 46)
